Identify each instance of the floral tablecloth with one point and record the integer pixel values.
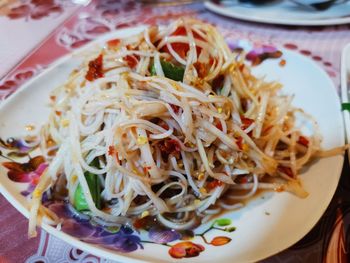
(34, 33)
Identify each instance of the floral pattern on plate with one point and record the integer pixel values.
(32, 9)
(118, 238)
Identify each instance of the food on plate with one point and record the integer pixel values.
(169, 123)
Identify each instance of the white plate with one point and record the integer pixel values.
(258, 235)
(283, 12)
(345, 89)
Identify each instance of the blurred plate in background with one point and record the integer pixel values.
(282, 12)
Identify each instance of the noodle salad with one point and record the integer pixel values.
(169, 123)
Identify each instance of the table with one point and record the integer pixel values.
(34, 33)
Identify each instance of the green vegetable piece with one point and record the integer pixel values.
(170, 70)
(79, 199)
(153, 70)
(95, 190)
(345, 106)
(223, 222)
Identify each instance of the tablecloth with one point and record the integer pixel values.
(34, 33)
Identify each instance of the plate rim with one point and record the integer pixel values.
(276, 21)
(114, 255)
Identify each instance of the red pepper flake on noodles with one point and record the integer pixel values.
(239, 142)
(168, 147)
(131, 60)
(286, 170)
(95, 69)
(201, 69)
(164, 125)
(182, 48)
(213, 184)
(246, 122)
(303, 141)
(111, 150)
(175, 108)
(113, 43)
(146, 169)
(242, 180)
(219, 126)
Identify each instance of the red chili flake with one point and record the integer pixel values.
(160, 123)
(53, 98)
(201, 69)
(164, 125)
(113, 43)
(58, 113)
(212, 61)
(242, 180)
(181, 31)
(175, 108)
(145, 223)
(169, 146)
(280, 189)
(111, 150)
(95, 69)
(213, 184)
(282, 63)
(219, 126)
(241, 67)
(139, 223)
(246, 122)
(286, 170)
(131, 60)
(303, 141)
(239, 142)
(182, 48)
(107, 209)
(130, 47)
(146, 169)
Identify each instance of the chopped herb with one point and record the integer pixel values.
(345, 106)
(170, 70)
(95, 189)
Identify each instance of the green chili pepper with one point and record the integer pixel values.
(170, 70)
(95, 189)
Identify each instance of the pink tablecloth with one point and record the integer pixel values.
(72, 26)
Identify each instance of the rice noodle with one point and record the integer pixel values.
(171, 148)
